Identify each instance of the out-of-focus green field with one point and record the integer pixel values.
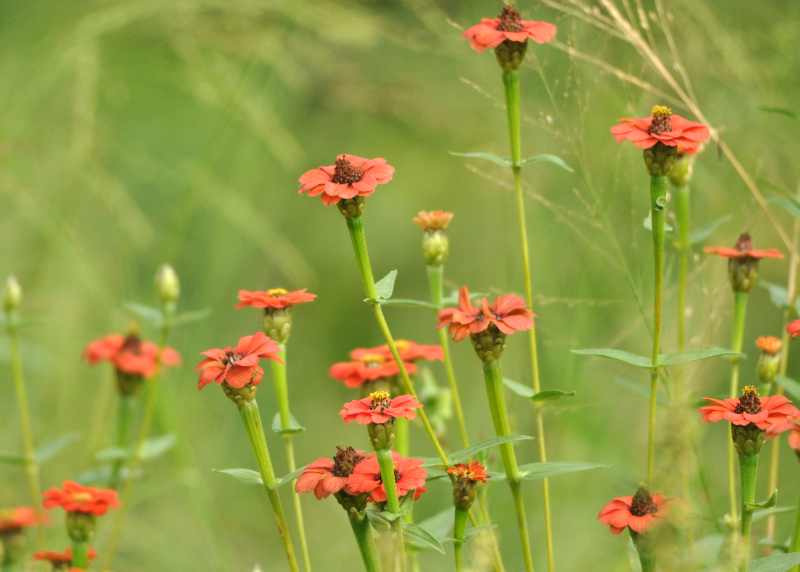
(134, 133)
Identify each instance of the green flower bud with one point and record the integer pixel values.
(168, 285)
(12, 296)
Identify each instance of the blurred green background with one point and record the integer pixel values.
(141, 132)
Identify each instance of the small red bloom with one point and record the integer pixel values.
(770, 413)
(409, 351)
(15, 519)
(473, 472)
(433, 220)
(237, 366)
(794, 435)
(366, 366)
(60, 558)
(508, 313)
(379, 407)
(327, 476)
(769, 344)
(351, 176)
(130, 354)
(793, 328)
(638, 512)
(74, 497)
(409, 474)
(509, 26)
(743, 250)
(274, 299)
(662, 127)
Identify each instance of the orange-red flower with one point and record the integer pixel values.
(794, 435)
(274, 298)
(433, 220)
(793, 328)
(638, 512)
(508, 313)
(379, 407)
(366, 366)
(769, 344)
(473, 471)
(743, 250)
(409, 351)
(58, 559)
(409, 474)
(237, 366)
(662, 126)
(15, 519)
(130, 354)
(327, 476)
(74, 497)
(351, 176)
(508, 26)
(770, 413)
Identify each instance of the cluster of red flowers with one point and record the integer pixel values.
(74, 497)
(508, 313)
(130, 354)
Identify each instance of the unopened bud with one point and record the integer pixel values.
(278, 324)
(12, 296)
(168, 285)
(80, 526)
(682, 168)
(769, 360)
(240, 395)
(381, 435)
(435, 248)
(489, 344)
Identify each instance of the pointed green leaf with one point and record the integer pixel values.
(699, 235)
(191, 317)
(384, 287)
(11, 459)
(769, 503)
(548, 158)
(497, 160)
(419, 538)
(779, 111)
(775, 562)
(409, 302)
(49, 450)
(694, 355)
(381, 518)
(518, 388)
(146, 313)
(538, 471)
(791, 386)
(551, 395)
(764, 513)
(294, 425)
(246, 476)
(470, 452)
(157, 446)
(289, 477)
(618, 355)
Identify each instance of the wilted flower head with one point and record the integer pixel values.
(237, 367)
(380, 407)
(466, 476)
(350, 177)
(130, 355)
(366, 366)
(274, 298)
(327, 476)
(637, 513)
(410, 476)
(74, 497)
(15, 519)
(430, 221)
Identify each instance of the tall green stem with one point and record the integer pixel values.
(125, 405)
(737, 338)
(281, 384)
(748, 465)
(255, 431)
(658, 204)
(643, 548)
(80, 555)
(502, 427)
(366, 545)
(459, 529)
(513, 111)
(683, 220)
(435, 282)
(795, 545)
(386, 464)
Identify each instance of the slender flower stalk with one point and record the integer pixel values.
(366, 545)
(459, 530)
(748, 470)
(737, 339)
(795, 544)
(125, 410)
(12, 298)
(680, 175)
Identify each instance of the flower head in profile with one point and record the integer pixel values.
(410, 476)
(74, 497)
(366, 366)
(16, 519)
(329, 476)
(274, 298)
(743, 249)
(637, 513)
(237, 366)
(769, 344)
(431, 221)
(768, 413)
(409, 351)
(509, 26)
(769, 360)
(466, 477)
(62, 559)
(349, 177)
(793, 328)
(664, 127)
(507, 314)
(130, 354)
(380, 407)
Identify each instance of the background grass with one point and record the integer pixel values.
(136, 133)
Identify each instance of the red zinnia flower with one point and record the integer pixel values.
(662, 127)
(433, 220)
(409, 474)
(237, 366)
(74, 497)
(508, 313)
(769, 344)
(274, 299)
(638, 512)
(770, 413)
(509, 26)
(794, 436)
(793, 328)
(15, 519)
(351, 176)
(379, 407)
(473, 471)
(60, 558)
(327, 476)
(130, 354)
(409, 351)
(743, 250)
(366, 366)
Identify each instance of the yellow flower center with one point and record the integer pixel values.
(660, 111)
(380, 399)
(277, 291)
(371, 360)
(81, 497)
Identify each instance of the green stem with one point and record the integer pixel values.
(748, 465)
(125, 405)
(435, 281)
(459, 530)
(737, 338)
(646, 556)
(658, 202)
(280, 381)
(255, 431)
(795, 545)
(401, 443)
(355, 226)
(682, 217)
(513, 111)
(493, 377)
(386, 464)
(486, 518)
(80, 555)
(366, 545)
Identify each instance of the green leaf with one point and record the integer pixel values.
(775, 562)
(294, 425)
(146, 313)
(779, 111)
(791, 386)
(618, 355)
(497, 160)
(647, 223)
(764, 513)
(440, 524)
(49, 450)
(409, 302)
(157, 446)
(551, 395)
(384, 288)
(538, 471)
(11, 459)
(419, 538)
(518, 388)
(112, 454)
(699, 235)
(789, 204)
(382, 518)
(547, 158)
(246, 476)
(694, 355)
(289, 477)
(769, 503)
(191, 317)
(470, 452)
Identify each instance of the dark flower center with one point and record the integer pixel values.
(345, 172)
(662, 120)
(231, 358)
(510, 20)
(749, 402)
(345, 461)
(643, 503)
(744, 243)
(132, 344)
